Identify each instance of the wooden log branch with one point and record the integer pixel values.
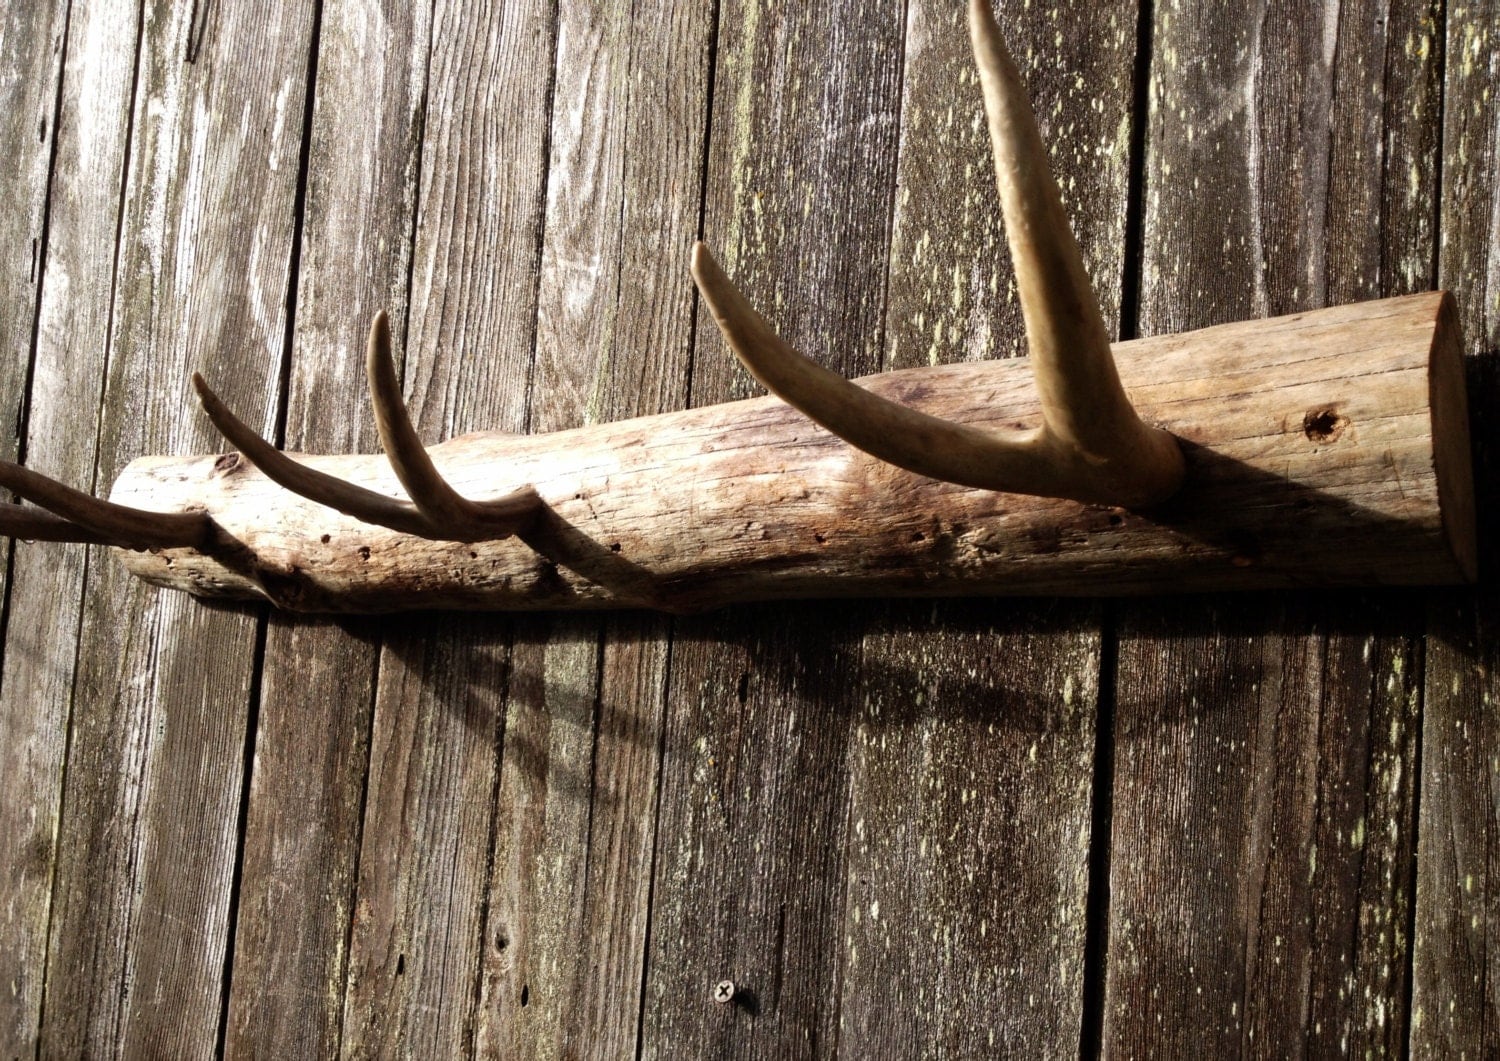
(1323, 449)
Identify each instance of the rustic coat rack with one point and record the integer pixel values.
(1324, 448)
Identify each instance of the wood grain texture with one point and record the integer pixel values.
(569, 893)
(147, 839)
(302, 830)
(1265, 761)
(974, 737)
(753, 827)
(43, 584)
(1456, 965)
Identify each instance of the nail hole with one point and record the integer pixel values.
(1323, 425)
(325, 539)
(400, 965)
(744, 689)
(525, 994)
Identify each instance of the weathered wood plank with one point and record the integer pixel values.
(1456, 965)
(302, 832)
(973, 755)
(1265, 760)
(751, 856)
(565, 937)
(153, 787)
(417, 942)
(43, 584)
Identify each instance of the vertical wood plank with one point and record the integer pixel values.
(1456, 967)
(44, 582)
(151, 804)
(973, 755)
(1265, 758)
(565, 939)
(302, 833)
(416, 942)
(750, 864)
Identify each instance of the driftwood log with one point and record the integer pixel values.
(1327, 448)
(1324, 448)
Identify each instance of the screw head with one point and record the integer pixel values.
(724, 991)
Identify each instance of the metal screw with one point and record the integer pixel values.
(724, 991)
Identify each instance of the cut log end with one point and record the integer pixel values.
(1452, 453)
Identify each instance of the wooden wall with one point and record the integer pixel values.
(1261, 825)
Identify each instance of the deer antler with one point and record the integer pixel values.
(436, 511)
(1091, 446)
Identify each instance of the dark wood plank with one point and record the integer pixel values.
(973, 756)
(751, 855)
(302, 833)
(1265, 753)
(148, 835)
(43, 583)
(565, 938)
(970, 797)
(1456, 965)
(416, 943)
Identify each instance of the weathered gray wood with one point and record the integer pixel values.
(1265, 756)
(41, 622)
(417, 941)
(565, 934)
(966, 872)
(751, 851)
(302, 831)
(1456, 964)
(975, 737)
(147, 838)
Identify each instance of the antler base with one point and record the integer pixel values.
(1327, 448)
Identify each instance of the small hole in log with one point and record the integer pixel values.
(1115, 519)
(819, 538)
(226, 463)
(743, 692)
(473, 555)
(400, 965)
(614, 547)
(325, 538)
(525, 994)
(919, 537)
(501, 940)
(1323, 425)
(364, 552)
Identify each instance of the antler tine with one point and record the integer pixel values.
(1083, 404)
(896, 434)
(1091, 446)
(310, 483)
(443, 506)
(80, 517)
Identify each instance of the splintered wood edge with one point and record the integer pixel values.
(1451, 454)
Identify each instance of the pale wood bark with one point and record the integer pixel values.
(1325, 448)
